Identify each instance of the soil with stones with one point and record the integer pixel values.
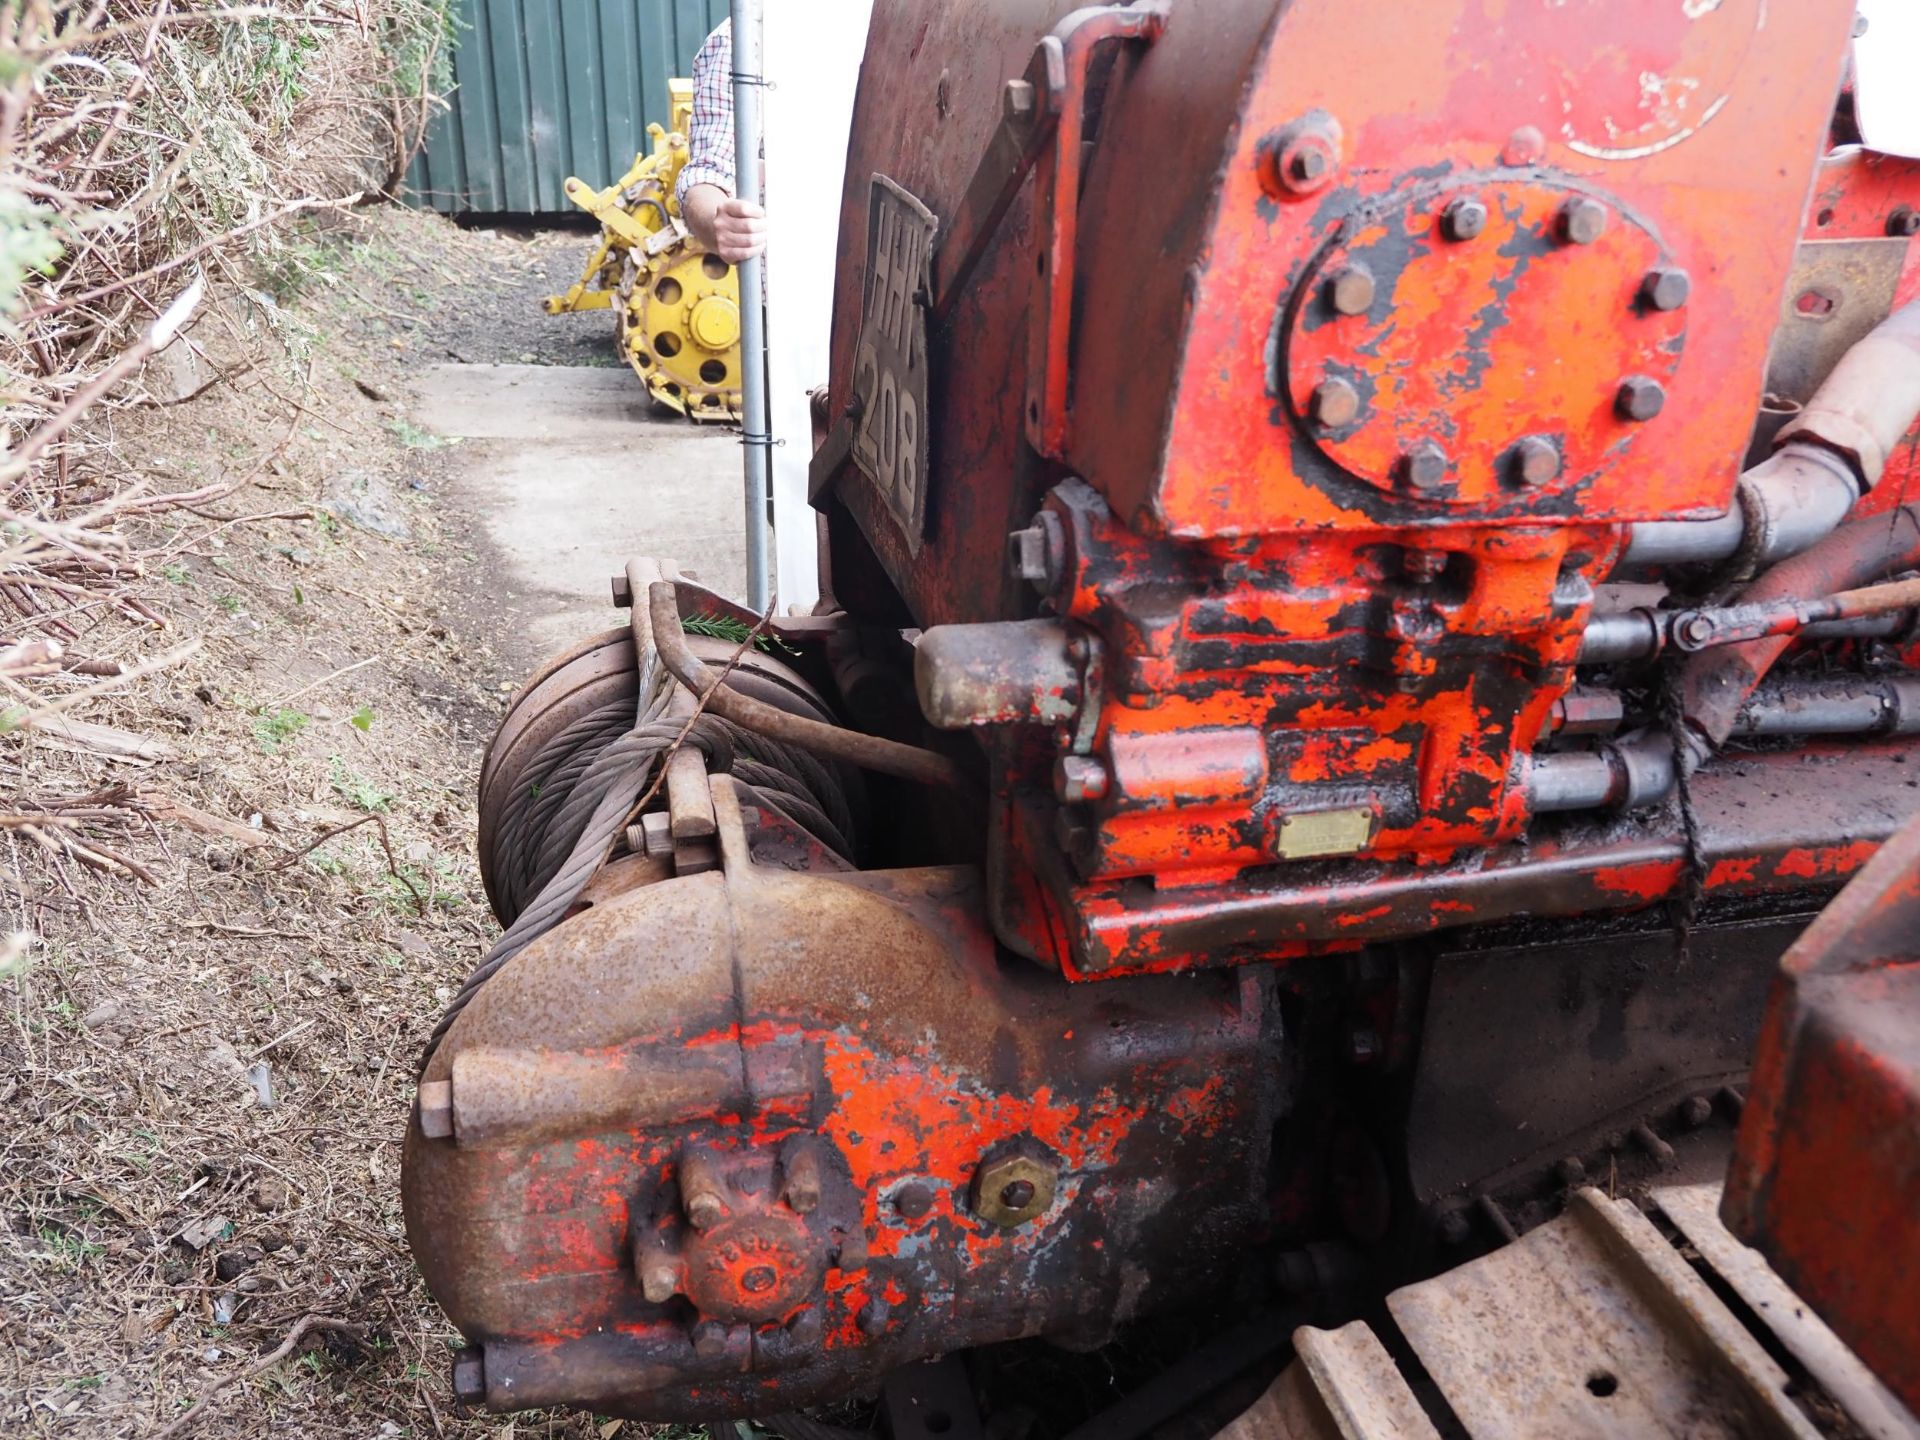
(206, 1051)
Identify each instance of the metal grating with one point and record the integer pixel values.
(544, 89)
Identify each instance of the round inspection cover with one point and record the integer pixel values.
(1466, 356)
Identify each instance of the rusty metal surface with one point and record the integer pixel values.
(1531, 1053)
(1595, 1325)
(1826, 1175)
(734, 1015)
(1694, 1210)
(1837, 292)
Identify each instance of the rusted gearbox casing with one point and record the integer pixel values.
(747, 1140)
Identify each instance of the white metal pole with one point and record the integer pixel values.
(757, 441)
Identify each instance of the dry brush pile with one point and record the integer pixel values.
(155, 157)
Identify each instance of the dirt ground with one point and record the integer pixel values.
(205, 1058)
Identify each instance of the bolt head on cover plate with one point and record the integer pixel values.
(1536, 460)
(1582, 221)
(1641, 398)
(1427, 466)
(1667, 287)
(1464, 219)
(1335, 405)
(1012, 1190)
(1352, 289)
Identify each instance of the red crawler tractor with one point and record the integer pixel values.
(1365, 546)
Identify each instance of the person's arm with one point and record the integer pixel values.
(731, 228)
(735, 230)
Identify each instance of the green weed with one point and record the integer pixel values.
(275, 730)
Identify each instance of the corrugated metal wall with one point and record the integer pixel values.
(545, 89)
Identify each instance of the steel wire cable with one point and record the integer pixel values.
(572, 802)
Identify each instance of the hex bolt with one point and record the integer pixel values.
(1351, 290)
(1581, 221)
(1666, 287)
(1652, 1145)
(1536, 461)
(1641, 398)
(1038, 553)
(1464, 218)
(1423, 567)
(1427, 466)
(700, 1192)
(1334, 405)
(436, 1109)
(1077, 779)
(1301, 157)
(873, 1316)
(1570, 1171)
(1696, 1111)
(1904, 222)
(470, 1377)
(659, 1279)
(710, 1339)
(1363, 1044)
(1018, 1195)
(1454, 1228)
(913, 1200)
(802, 1189)
(1017, 100)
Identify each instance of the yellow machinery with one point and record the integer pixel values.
(676, 307)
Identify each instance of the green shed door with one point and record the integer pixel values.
(544, 89)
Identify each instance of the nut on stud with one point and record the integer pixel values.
(1666, 287)
(436, 1109)
(1641, 398)
(1334, 404)
(470, 1377)
(1582, 221)
(1302, 157)
(1427, 466)
(1464, 218)
(1077, 779)
(1536, 461)
(1352, 289)
(1012, 1190)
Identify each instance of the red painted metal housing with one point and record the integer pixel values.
(1826, 1177)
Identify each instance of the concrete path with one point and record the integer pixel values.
(569, 471)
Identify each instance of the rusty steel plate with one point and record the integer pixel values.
(1467, 341)
(1839, 290)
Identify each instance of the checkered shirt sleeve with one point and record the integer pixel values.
(710, 156)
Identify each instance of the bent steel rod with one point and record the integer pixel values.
(756, 443)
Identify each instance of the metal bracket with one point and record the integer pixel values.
(1042, 130)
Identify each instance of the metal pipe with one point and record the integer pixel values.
(756, 440)
(1641, 634)
(1783, 505)
(1833, 451)
(1639, 771)
(870, 752)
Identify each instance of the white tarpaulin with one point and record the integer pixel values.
(1887, 87)
(813, 66)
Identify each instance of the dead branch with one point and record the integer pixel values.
(213, 1388)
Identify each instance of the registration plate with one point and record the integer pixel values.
(890, 445)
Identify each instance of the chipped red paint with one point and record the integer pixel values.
(880, 1067)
